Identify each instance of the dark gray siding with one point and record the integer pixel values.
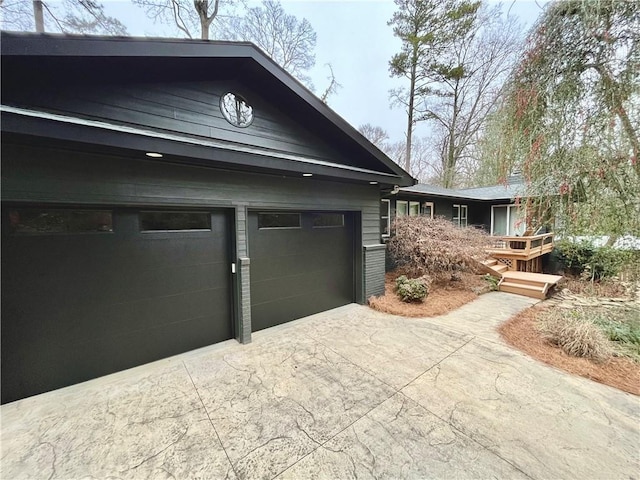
(190, 108)
(40, 175)
(375, 269)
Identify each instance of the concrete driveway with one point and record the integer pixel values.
(349, 393)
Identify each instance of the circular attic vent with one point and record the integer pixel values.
(236, 110)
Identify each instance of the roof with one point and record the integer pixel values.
(495, 192)
(51, 55)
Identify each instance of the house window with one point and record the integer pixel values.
(385, 217)
(404, 207)
(278, 220)
(328, 220)
(236, 110)
(427, 209)
(460, 215)
(174, 221)
(507, 220)
(46, 220)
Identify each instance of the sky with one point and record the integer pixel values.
(353, 36)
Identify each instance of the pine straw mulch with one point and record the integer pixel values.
(521, 332)
(442, 298)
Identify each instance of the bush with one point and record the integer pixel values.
(435, 247)
(576, 336)
(412, 289)
(597, 262)
(491, 281)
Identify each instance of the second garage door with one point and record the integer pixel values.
(301, 263)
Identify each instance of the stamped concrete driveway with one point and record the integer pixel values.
(350, 393)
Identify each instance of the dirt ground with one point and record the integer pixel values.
(441, 298)
(520, 332)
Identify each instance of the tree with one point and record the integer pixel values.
(194, 18)
(426, 28)
(464, 89)
(333, 86)
(288, 41)
(571, 115)
(69, 16)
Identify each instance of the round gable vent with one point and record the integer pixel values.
(236, 110)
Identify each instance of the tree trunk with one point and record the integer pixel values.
(204, 29)
(412, 92)
(38, 15)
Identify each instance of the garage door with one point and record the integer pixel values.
(301, 263)
(90, 292)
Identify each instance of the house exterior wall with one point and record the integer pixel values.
(41, 175)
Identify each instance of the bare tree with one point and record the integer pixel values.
(466, 89)
(333, 86)
(69, 16)
(375, 134)
(193, 18)
(290, 42)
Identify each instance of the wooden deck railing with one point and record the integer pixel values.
(523, 248)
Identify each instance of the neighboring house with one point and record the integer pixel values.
(163, 195)
(491, 208)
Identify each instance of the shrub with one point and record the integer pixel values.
(575, 335)
(412, 289)
(596, 262)
(435, 247)
(492, 281)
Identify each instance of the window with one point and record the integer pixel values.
(385, 217)
(39, 220)
(507, 220)
(278, 220)
(460, 215)
(328, 220)
(404, 207)
(174, 221)
(428, 209)
(236, 110)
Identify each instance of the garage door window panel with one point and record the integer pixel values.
(48, 221)
(279, 220)
(174, 221)
(328, 220)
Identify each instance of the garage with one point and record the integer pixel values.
(91, 291)
(301, 263)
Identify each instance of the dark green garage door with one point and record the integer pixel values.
(301, 263)
(90, 292)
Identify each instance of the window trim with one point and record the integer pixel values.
(386, 217)
(458, 218)
(429, 204)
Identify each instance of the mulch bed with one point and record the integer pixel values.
(442, 298)
(521, 332)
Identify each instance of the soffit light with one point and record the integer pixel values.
(373, 183)
(154, 154)
(307, 174)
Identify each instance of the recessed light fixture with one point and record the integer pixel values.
(154, 154)
(373, 183)
(307, 174)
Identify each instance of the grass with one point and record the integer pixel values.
(597, 332)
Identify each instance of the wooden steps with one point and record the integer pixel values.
(494, 267)
(534, 285)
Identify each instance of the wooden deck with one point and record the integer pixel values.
(521, 253)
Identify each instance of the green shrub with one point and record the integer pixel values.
(412, 289)
(597, 262)
(492, 281)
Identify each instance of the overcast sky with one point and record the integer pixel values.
(354, 37)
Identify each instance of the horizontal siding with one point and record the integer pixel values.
(186, 107)
(374, 270)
